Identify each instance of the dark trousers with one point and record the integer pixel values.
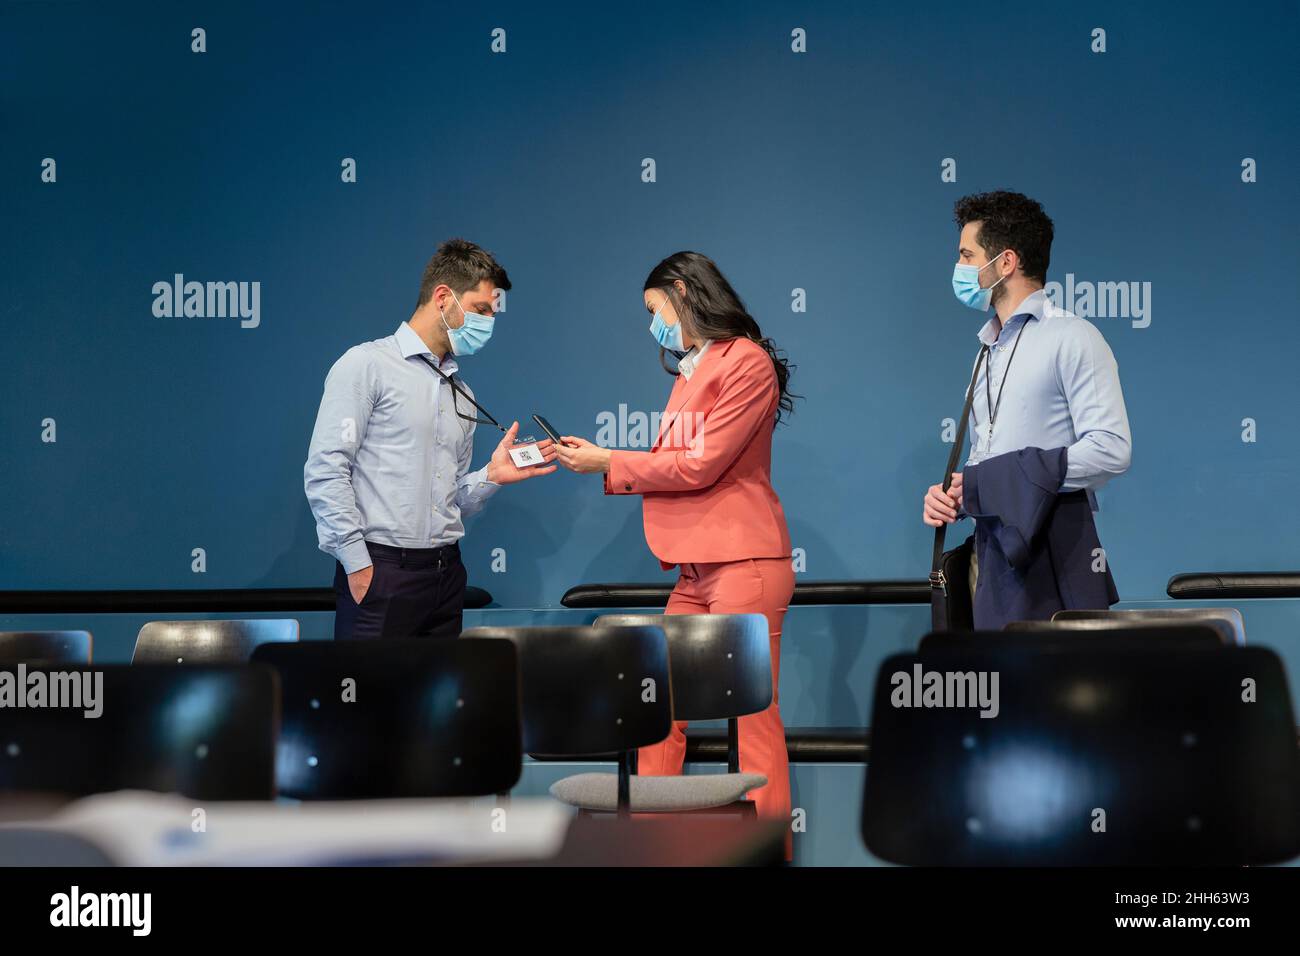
(415, 592)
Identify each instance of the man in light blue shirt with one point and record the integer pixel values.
(1048, 379)
(388, 471)
(1064, 392)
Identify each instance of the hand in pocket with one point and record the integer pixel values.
(359, 583)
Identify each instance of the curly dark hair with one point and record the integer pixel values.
(1010, 221)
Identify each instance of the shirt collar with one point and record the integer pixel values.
(1033, 306)
(411, 344)
(691, 360)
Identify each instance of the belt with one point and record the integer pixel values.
(415, 557)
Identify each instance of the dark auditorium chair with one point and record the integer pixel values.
(1127, 757)
(396, 718)
(1226, 620)
(207, 732)
(208, 642)
(53, 647)
(1044, 634)
(721, 668)
(582, 691)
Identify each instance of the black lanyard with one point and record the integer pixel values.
(991, 405)
(457, 391)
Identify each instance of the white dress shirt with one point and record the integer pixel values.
(691, 360)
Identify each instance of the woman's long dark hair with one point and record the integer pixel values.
(713, 310)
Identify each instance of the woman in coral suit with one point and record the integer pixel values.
(706, 489)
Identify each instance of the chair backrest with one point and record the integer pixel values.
(1106, 636)
(1226, 620)
(590, 691)
(396, 718)
(721, 663)
(55, 647)
(207, 732)
(1143, 756)
(208, 642)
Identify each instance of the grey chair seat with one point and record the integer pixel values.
(666, 794)
(24, 846)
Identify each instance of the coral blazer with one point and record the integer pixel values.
(706, 483)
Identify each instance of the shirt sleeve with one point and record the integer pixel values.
(744, 405)
(473, 489)
(1089, 378)
(341, 421)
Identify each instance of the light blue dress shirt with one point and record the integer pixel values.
(1062, 391)
(389, 457)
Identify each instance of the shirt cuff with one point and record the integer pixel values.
(354, 556)
(479, 486)
(619, 480)
(1076, 477)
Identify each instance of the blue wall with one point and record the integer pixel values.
(818, 171)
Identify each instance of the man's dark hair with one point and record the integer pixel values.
(461, 265)
(1010, 221)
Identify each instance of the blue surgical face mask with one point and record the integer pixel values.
(669, 336)
(472, 334)
(966, 284)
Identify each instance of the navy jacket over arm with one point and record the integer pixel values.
(1036, 547)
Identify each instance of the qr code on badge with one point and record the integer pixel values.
(525, 456)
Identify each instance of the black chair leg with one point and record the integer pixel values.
(733, 745)
(626, 763)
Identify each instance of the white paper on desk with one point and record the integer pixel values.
(139, 828)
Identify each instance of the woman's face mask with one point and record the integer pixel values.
(966, 284)
(669, 336)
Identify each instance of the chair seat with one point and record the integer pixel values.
(599, 791)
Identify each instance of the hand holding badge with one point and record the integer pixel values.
(514, 460)
(524, 453)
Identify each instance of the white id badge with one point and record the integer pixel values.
(525, 454)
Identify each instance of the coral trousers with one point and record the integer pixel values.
(756, 585)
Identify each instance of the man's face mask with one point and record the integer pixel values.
(472, 334)
(966, 284)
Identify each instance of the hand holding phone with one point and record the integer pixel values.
(545, 426)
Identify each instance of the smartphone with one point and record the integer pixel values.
(545, 426)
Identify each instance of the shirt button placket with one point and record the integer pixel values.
(437, 430)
